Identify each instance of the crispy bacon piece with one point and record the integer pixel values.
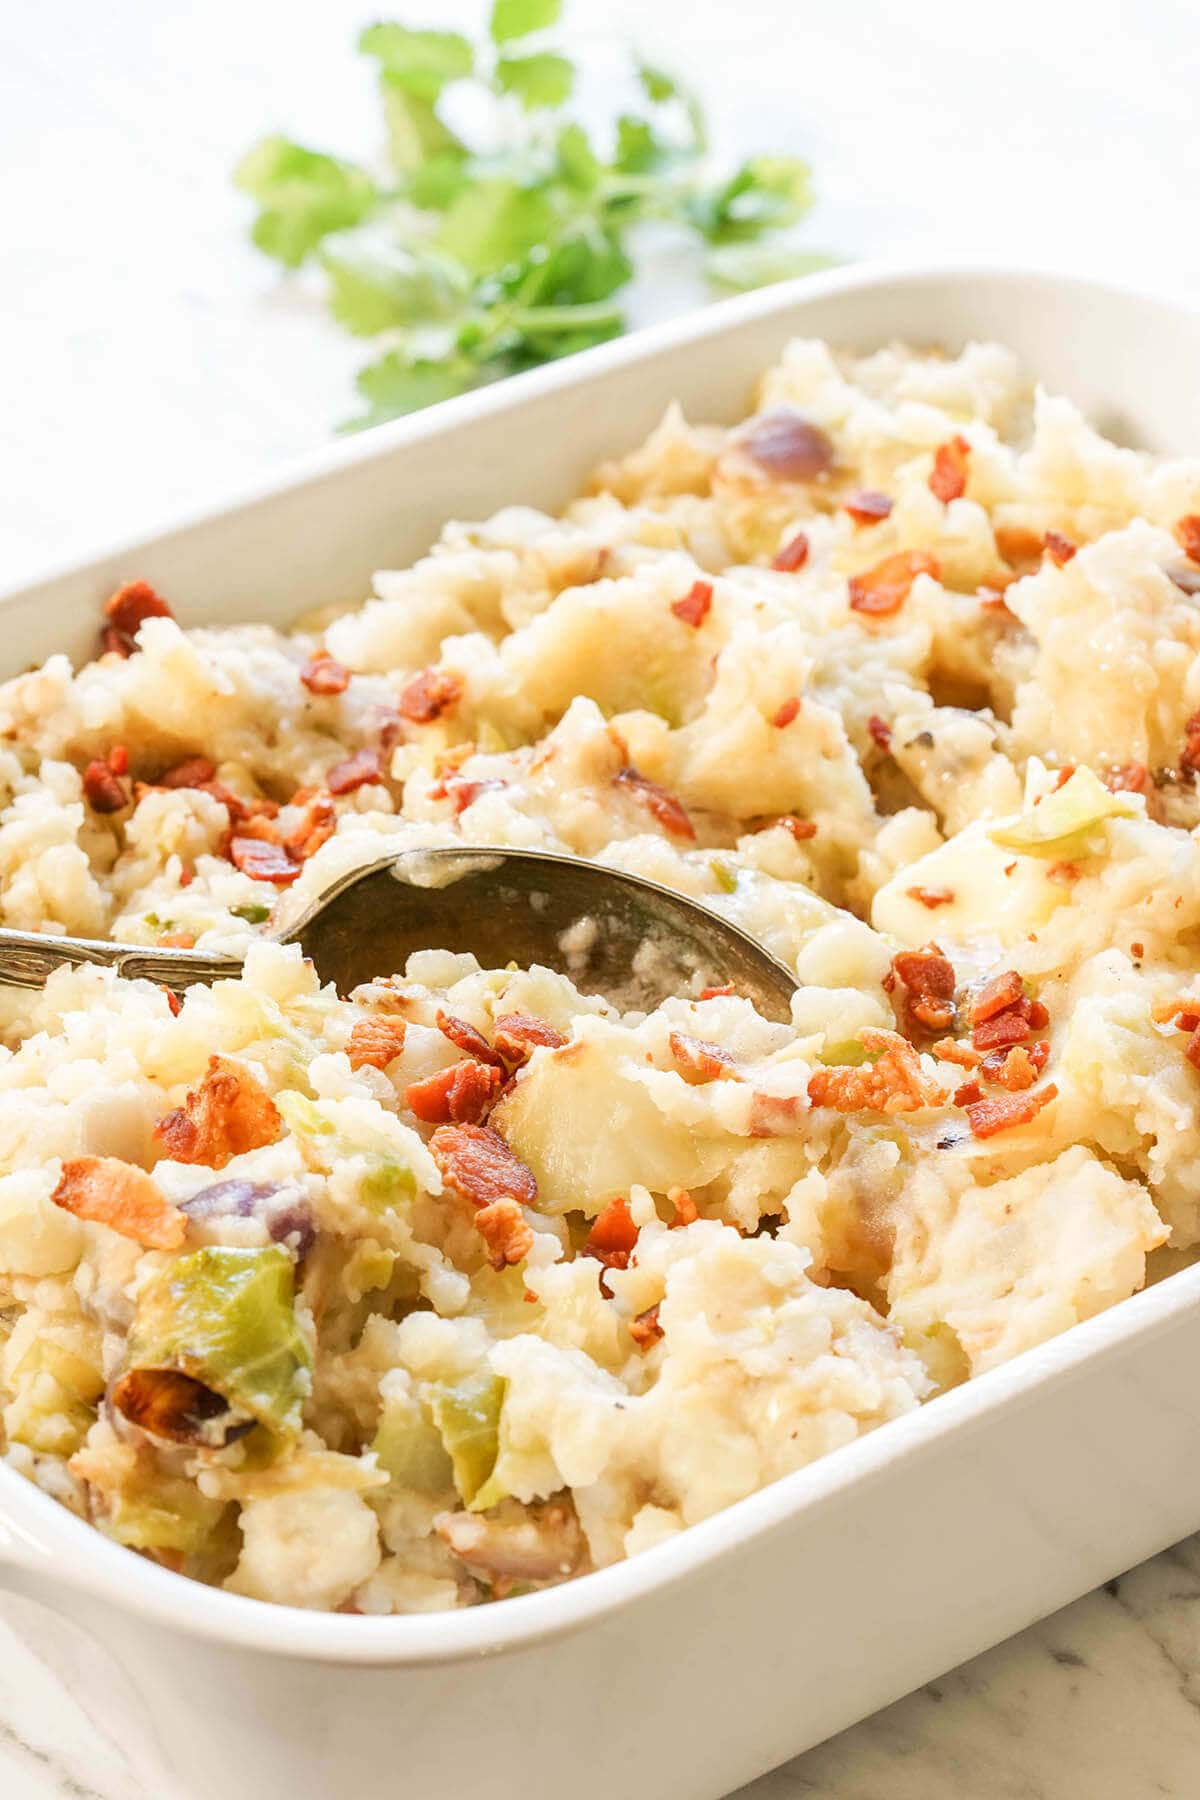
(695, 605)
(192, 772)
(717, 993)
(995, 995)
(788, 445)
(173, 1000)
(430, 694)
(867, 506)
(1189, 759)
(1000, 1112)
(229, 1113)
(355, 772)
(463, 791)
(104, 791)
(460, 1095)
(1018, 1068)
(1011, 1026)
(931, 897)
(176, 940)
(948, 477)
(126, 612)
(882, 590)
(951, 1050)
(686, 1210)
(791, 556)
(800, 829)
(122, 1196)
(1127, 778)
(517, 1035)
(645, 1329)
(476, 1162)
(1185, 1014)
(969, 1092)
(783, 715)
(1019, 544)
(670, 812)
(613, 1236)
(1187, 534)
(698, 1060)
(894, 1083)
(465, 1038)
(263, 860)
(317, 824)
(1059, 549)
(323, 674)
(880, 732)
(928, 981)
(504, 1230)
(377, 1041)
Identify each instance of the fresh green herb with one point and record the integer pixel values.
(254, 914)
(472, 256)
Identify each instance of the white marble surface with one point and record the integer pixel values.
(150, 362)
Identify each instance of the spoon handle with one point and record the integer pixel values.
(28, 957)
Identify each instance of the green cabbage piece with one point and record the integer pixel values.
(226, 1317)
(409, 1446)
(1065, 824)
(467, 1414)
(166, 1513)
(55, 1404)
(386, 1182)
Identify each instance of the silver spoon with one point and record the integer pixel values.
(615, 934)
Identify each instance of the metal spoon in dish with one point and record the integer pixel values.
(615, 934)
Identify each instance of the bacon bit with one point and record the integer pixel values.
(263, 860)
(324, 674)
(1137, 951)
(1008, 1027)
(894, 1083)
(462, 1094)
(357, 770)
(793, 555)
(476, 1162)
(118, 759)
(504, 1230)
(176, 940)
(720, 993)
(991, 599)
(1187, 535)
(113, 644)
(1185, 1013)
(999, 1112)
(246, 813)
(193, 772)
(698, 1060)
(462, 792)
(784, 715)
(376, 1042)
(464, 1037)
(228, 1113)
(1009, 867)
(645, 1329)
(1127, 778)
(696, 604)
(173, 1001)
(950, 1050)
(801, 829)
(613, 1236)
(929, 981)
(1059, 549)
(883, 590)
(126, 611)
(880, 732)
(1018, 1068)
(121, 1196)
(948, 477)
(103, 790)
(429, 695)
(867, 506)
(686, 1210)
(317, 825)
(670, 812)
(787, 444)
(1018, 543)
(995, 995)
(1065, 873)
(969, 1092)
(518, 1035)
(931, 897)
(1190, 758)
(774, 1115)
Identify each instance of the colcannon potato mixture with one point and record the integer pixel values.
(466, 1282)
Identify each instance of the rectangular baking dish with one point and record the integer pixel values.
(717, 1655)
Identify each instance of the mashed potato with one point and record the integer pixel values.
(468, 1282)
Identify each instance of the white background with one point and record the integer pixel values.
(150, 361)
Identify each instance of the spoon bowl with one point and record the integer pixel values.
(616, 934)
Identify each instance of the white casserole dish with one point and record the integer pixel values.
(716, 1655)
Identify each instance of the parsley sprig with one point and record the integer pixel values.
(476, 254)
